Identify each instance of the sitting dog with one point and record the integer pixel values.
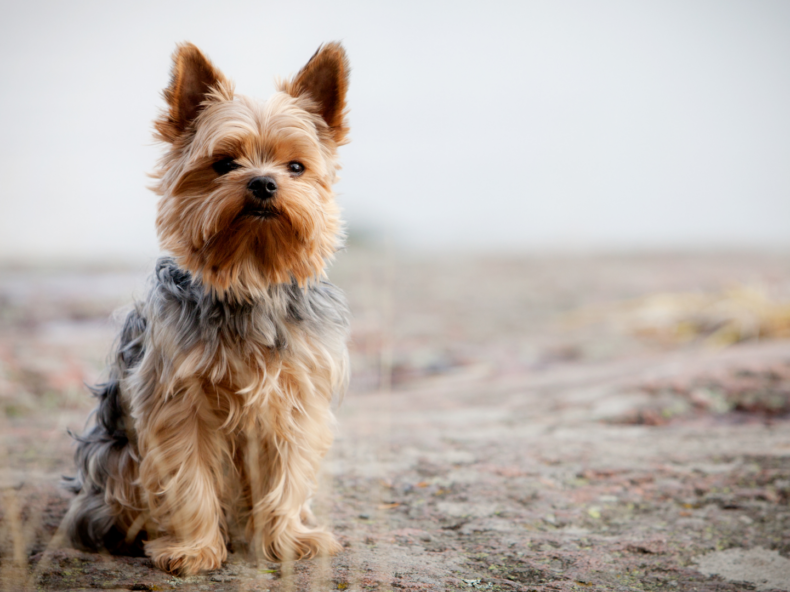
(217, 408)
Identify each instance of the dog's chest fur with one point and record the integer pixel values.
(277, 353)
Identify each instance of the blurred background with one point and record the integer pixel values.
(568, 267)
(476, 126)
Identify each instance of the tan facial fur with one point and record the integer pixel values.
(207, 220)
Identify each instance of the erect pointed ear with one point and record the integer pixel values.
(192, 78)
(324, 80)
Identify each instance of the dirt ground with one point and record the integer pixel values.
(513, 423)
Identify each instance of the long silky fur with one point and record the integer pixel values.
(107, 455)
(104, 452)
(217, 409)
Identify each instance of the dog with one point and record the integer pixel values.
(216, 413)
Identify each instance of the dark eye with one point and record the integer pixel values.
(296, 168)
(224, 166)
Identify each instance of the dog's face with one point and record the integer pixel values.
(246, 186)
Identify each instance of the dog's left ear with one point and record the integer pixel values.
(324, 80)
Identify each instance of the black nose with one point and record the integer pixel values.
(263, 187)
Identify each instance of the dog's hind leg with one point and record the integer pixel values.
(107, 502)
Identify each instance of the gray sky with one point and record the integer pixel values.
(497, 125)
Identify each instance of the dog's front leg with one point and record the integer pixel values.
(182, 450)
(285, 458)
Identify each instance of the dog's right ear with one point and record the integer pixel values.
(194, 81)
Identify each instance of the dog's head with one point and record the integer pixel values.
(246, 186)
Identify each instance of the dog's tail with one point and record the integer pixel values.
(107, 501)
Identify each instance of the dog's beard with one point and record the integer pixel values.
(238, 246)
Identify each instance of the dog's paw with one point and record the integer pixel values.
(184, 560)
(300, 543)
(315, 543)
(307, 543)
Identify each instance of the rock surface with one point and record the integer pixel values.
(767, 570)
(506, 429)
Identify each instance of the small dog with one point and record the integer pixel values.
(217, 411)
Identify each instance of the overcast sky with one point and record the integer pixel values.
(496, 125)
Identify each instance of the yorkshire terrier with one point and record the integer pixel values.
(217, 410)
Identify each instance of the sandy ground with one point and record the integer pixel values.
(512, 424)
